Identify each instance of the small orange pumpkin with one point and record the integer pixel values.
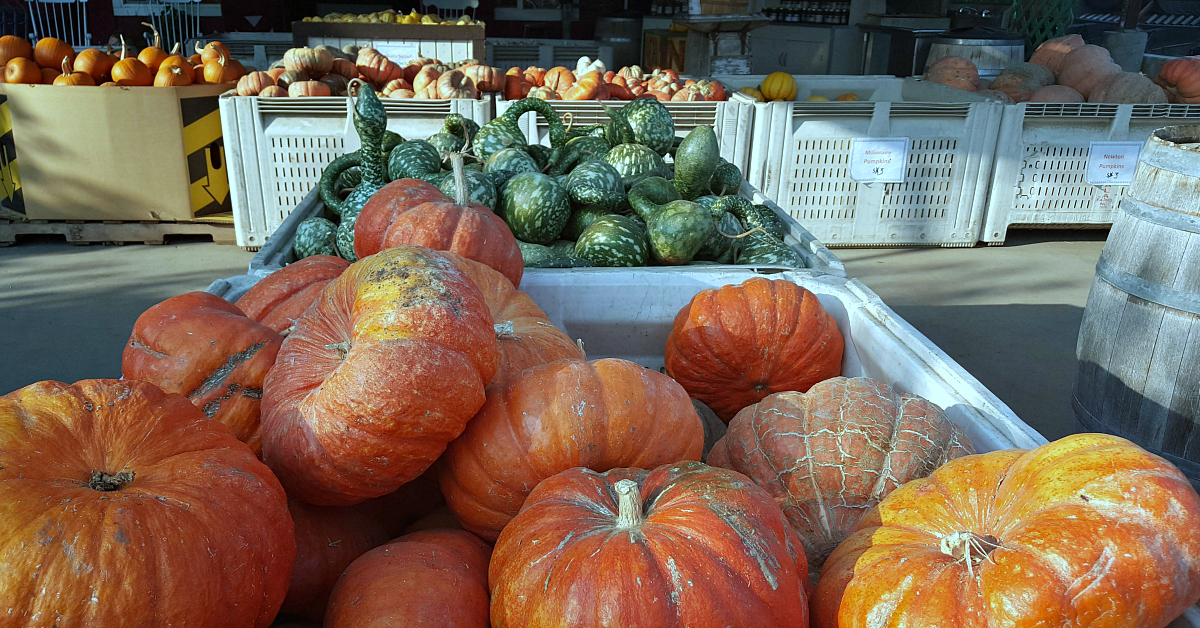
(211, 51)
(344, 67)
(428, 75)
(586, 88)
(94, 63)
(48, 75)
(253, 83)
(131, 72)
(308, 88)
(22, 70)
(12, 47)
(50, 52)
(455, 84)
(220, 69)
(516, 85)
(486, 78)
(153, 55)
(176, 59)
(536, 76)
(171, 76)
(395, 85)
(70, 77)
(198, 75)
(377, 68)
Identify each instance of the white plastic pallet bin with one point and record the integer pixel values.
(801, 160)
(276, 148)
(732, 121)
(1041, 159)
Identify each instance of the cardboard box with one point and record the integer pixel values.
(664, 50)
(113, 153)
(399, 42)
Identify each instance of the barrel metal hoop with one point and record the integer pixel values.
(1142, 289)
(1091, 423)
(1159, 216)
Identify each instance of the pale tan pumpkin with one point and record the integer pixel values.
(1052, 51)
(1056, 93)
(1020, 80)
(1130, 87)
(1088, 68)
(308, 88)
(253, 83)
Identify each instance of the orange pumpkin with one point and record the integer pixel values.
(376, 68)
(411, 68)
(311, 61)
(385, 206)
(688, 94)
(535, 76)
(954, 72)
(70, 77)
(172, 76)
(544, 93)
(221, 69)
(344, 67)
(202, 346)
(1051, 52)
(632, 72)
(12, 47)
(176, 59)
(468, 230)
(328, 540)
(585, 88)
(94, 63)
(1089, 530)
(455, 84)
(153, 54)
(712, 90)
(22, 70)
(273, 91)
(1180, 78)
(516, 87)
(308, 88)
(198, 74)
(49, 74)
(730, 347)
(557, 416)
(428, 578)
(131, 72)
(426, 76)
(167, 502)
(340, 423)
(558, 79)
(619, 92)
(50, 52)
(396, 85)
(212, 51)
(253, 83)
(485, 78)
(281, 298)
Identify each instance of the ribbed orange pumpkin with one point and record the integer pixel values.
(69, 77)
(131, 72)
(22, 70)
(344, 67)
(731, 347)
(1181, 79)
(486, 78)
(385, 206)
(94, 63)
(455, 84)
(1051, 52)
(152, 56)
(281, 298)
(113, 487)
(568, 413)
(327, 541)
(830, 454)
(471, 231)
(308, 88)
(376, 68)
(313, 62)
(681, 545)
(558, 79)
(212, 51)
(429, 578)
(377, 377)
(50, 52)
(12, 47)
(1090, 530)
(253, 83)
(201, 346)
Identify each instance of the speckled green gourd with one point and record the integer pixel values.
(580, 150)
(596, 183)
(505, 131)
(759, 247)
(540, 256)
(695, 162)
(614, 240)
(651, 123)
(413, 159)
(370, 120)
(678, 229)
(636, 162)
(770, 221)
(344, 238)
(349, 178)
(512, 159)
(563, 247)
(541, 155)
(580, 219)
(314, 236)
(725, 179)
(535, 206)
(455, 133)
(479, 186)
(720, 248)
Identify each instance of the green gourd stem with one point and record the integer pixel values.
(577, 152)
(370, 119)
(618, 131)
(650, 194)
(329, 178)
(591, 195)
(558, 133)
(391, 140)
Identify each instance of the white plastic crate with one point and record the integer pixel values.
(801, 160)
(276, 148)
(732, 121)
(867, 87)
(1042, 155)
(631, 318)
(505, 53)
(400, 42)
(446, 51)
(278, 252)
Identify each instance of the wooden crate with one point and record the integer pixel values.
(720, 7)
(664, 50)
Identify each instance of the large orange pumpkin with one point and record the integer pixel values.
(587, 87)
(327, 541)
(471, 231)
(281, 298)
(568, 413)
(428, 578)
(525, 335)
(1180, 78)
(485, 78)
(1090, 530)
(828, 455)
(128, 507)
(380, 374)
(49, 52)
(382, 209)
(12, 47)
(730, 347)
(202, 346)
(682, 545)
(376, 68)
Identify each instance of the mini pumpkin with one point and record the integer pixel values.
(730, 347)
(221, 69)
(287, 77)
(313, 62)
(49, 52)
(376, 68)
(954, 72)
(308, 88)
(130, 72)
(543, 93)
(426, 76)
(273, 91)
(212, 51)
(22, 70)
(70, 77)
(586, 87)
(485, 78)
(394, 85)
(94, 63)
(1180, 78)
(172, 76)
(12, 47)
(253, 83)
(153, 55)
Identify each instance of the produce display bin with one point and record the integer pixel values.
(278, 251)
(732, 121)
(629, 316)
(506, 53)
(277, 148)
(1042, 156)
(868, 88)
(801, 158)
(121, 154)
(399, 42)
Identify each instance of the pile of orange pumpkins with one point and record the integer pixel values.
(591, 80)
(325, 71)
(409, 440)
(54, 62)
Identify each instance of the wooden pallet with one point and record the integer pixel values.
(109, 231)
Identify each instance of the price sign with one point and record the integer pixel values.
(1112, 163)
(400, 52)
(878, 159)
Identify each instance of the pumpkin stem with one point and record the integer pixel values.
(461, 195)
(342, 348)
(629, 504)
(157, 37)
(970, 548)
(175, 50)
(123, 50)
(66, 67)
(506, 331)
(199, 50)
(579, 343)
(108, 482)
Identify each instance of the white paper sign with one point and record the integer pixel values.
(400, 53)
(1112, 163)
(878, 159)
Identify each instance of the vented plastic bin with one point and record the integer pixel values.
(399, 42)
(278, 251)
(1041, 162)
(732, 121)
(868, 88)
(801, 159)
(276, 148)
(505, 53)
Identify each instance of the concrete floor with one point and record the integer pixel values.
(1009, 315)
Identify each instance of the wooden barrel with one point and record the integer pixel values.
(1139, 344)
